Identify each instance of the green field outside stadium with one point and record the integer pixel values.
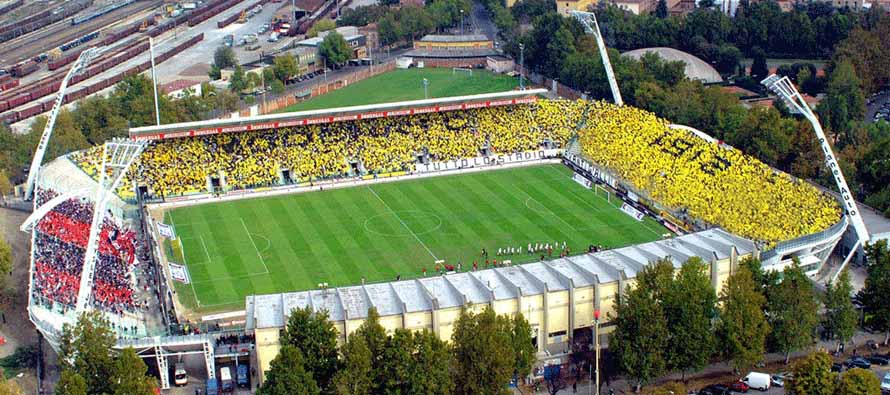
(407, 84)
(294, 242)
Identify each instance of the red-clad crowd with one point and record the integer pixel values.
(60, 246)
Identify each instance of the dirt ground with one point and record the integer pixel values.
(15, 328)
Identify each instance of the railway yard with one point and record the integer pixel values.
(38, 47)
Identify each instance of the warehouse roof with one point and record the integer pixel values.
(455, 290)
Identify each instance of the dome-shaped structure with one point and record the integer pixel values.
(696, 69)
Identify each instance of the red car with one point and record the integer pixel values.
(739, 386)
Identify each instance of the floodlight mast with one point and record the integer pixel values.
(783, 87)
(79, 65)
(591, 26)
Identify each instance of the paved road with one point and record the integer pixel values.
(873, 108)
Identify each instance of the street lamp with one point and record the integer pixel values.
(426, 84)
(596, 341)
(521, 66)
(461, 22)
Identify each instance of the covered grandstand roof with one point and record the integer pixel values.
(455, 290)
(329, 115)
(696, 68)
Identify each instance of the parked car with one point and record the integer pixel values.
(715, 389)
(757, 380)
(836, 367)
(878, 360)
(779, 379)
(739, 386)
(885, 383)
(858, 362)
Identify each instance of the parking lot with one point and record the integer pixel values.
(878, 106)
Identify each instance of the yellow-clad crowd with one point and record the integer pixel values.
(717, 184)
(713, 183)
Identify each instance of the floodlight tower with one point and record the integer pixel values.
(783, 87)
(591, 26)
(79, 65)
(117, 157)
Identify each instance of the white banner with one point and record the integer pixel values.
(492, 160)
(179, 273)
(166, 231)
(582, 180)
(631, 211)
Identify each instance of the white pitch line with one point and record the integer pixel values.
(254, 246)
(184, 261)
(404, 224)
(209, 259)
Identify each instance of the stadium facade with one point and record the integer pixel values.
(558, 296)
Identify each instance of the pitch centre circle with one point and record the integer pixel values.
(403, 223)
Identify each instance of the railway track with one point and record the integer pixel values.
(52, 36)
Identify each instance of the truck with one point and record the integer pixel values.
(760, 381)
(249, 38)
(241, 376)
(212, 387)
(225, 380)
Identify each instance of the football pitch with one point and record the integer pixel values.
(407, 84)
(380, 231)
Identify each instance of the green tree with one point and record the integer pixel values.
(483, 359)
(285, 67)
(85, 350)
(389, 30)
(287, 375)
(840, 315)
(759, 69)
(5, 259)
(224, 57)
(874, 170)
(431, 370)
(322, 25)
(690, 308)
(742, 328)
(5, 185)
(238, 82)
(315, 337)
(876, 294)
(398, 363)
(71, 383)
(793, 311)
(661, 9)
(858, 381)
(640, 339)
(277, 87)
(843, 104)
(356, 376)
(812, 375)
(523, 347)
(334, 49)
(130, 375)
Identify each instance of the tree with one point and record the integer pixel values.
(483, 359)
(287, 375)
(85, 350)
(9, 387)
(71, 383)
(238, 82)
(315, 337)
(690, 307)
(355, 378)
(389, 30)
(322, 25)
(398, 362)
(5, 185)
(844, 103)
(840, 315)
(874, 171)
(523, 347)
(640, 339)
(661, 10)
(793, 311)
(285, 67)
(742, 328)
(5, 259)
(431, 370)
(876, 294)
(759, 69)
(812, 375)
(277, 87)
(334, 49)
(224, 57)
(130, 375)
(858, 381)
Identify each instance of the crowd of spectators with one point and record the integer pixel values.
(711, 182)
(59, 248)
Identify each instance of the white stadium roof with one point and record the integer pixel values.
(483, 286)
(696, 68)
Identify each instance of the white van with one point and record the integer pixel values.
(225, 380)
(760, 381)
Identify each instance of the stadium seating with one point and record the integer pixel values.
(60, 245)
(714, 183)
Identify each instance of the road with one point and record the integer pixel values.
(882, 100)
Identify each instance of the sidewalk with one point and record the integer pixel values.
(715, 373)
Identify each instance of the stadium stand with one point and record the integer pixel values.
(60, 244)
(713, 183)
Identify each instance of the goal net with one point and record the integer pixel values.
(602, 192)
(461, 70)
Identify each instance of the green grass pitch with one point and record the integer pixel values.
(407, 84)
(293, 242)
